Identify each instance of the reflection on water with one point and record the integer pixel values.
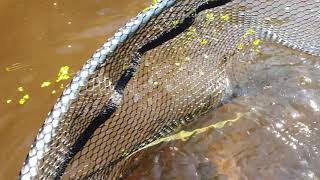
(277, 138)
(37, 38)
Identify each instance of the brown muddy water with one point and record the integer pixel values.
(276, 137)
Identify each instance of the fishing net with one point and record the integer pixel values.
(174, 61)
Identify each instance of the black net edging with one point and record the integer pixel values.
(111, 106)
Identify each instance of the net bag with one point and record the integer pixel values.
(174, 61)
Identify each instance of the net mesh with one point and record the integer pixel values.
(170, 64)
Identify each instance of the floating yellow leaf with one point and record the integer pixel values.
(256, 42)
(26, 97)
(250, 31)
(45, 84)
(61, 86)
(146, 9)
(203, 42)
(125, 67)
(185, 135)
(176, 22)
(53, 92)
(154, 2)
(191, 31)
(63, 73)
(22, 101)
(209, 16)
(20, 89)
(240, 46)
(9, 101)
(225, 17)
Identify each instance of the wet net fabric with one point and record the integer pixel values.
(170, 64)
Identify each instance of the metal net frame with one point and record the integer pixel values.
(173, 62)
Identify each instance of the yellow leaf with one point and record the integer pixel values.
(154, 2)
(125, 67)
(225, 17)
(53, 92)
(9, 101)
(45, 84)
(250, 31)
(63, 73)
(256, 42)
(146, 9)
(240, 46)
(20, 89)
(26, 97)
(185, 135)
(191, 31)
(176, 22)
(203, 42)
(209, 16)
(22, 101)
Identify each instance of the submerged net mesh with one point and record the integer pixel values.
(171, 63)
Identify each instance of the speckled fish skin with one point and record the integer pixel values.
(34, 160)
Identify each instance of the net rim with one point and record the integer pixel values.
(71, 91)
